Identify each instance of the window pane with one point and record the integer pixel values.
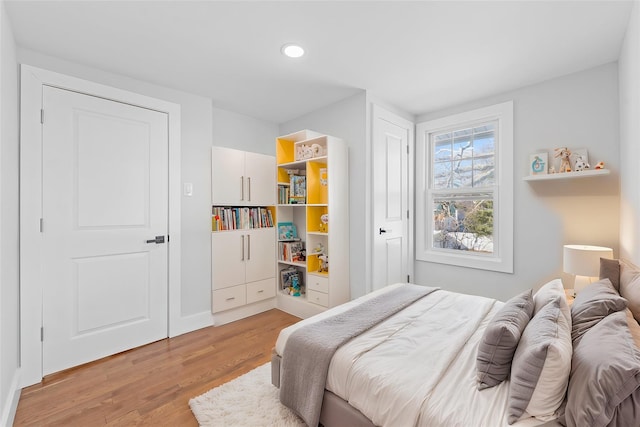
(462, 174)
(464, 225)
(462, 146)
(484, 144)
(484, 171)
(442, 148)
(442, 175)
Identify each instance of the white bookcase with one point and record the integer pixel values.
(323, 162)
(243, 243)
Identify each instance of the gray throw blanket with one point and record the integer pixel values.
(306, 357)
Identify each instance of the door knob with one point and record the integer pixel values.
(157, 240)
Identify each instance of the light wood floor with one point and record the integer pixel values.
(152, 385)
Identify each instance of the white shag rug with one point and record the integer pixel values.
(247, 401)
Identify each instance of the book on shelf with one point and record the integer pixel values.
(297, 189)
(292, 251)
(240, 218)
(283, 194)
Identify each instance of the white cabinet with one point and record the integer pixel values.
(242, 178)
(320, 214)
(243, 241)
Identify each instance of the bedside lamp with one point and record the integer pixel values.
(584, 262)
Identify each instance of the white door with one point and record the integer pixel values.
(227, 176)
(391, 136)
(105, 193)
(260, 171)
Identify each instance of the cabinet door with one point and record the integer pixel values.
(261, 254)
(260, 173)
(228, 181)
(228, 258)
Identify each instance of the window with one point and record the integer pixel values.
(464, 189)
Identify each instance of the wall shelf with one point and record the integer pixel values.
(568, 175)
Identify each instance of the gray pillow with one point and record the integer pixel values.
(541, 365)
(500, 340)
(605, 376)
(610, 269)
(592, 304)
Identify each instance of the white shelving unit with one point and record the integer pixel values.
(567, 175)
(323, 160)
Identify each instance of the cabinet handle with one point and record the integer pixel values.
(242, 187)
(249, 181)
(261, 291)
(248, 247)
(242, 259)
(231, 299)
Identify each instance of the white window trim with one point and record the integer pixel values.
(502, 258)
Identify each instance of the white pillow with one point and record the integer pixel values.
(549, 292)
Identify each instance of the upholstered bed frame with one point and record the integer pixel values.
(335, 411)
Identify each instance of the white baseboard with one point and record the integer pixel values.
(191, 323)
(11, 404)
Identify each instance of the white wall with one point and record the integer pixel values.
(629, 77)
(347, 120)
(578, 110)
(233, 130)
(9, 224)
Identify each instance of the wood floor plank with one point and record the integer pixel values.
(152, 385)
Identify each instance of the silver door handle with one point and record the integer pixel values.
(242, 187)
(248, 247)
(249, 181)
(242, 259)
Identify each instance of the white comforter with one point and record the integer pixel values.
(418, 368)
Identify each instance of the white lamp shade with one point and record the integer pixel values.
(583, 260)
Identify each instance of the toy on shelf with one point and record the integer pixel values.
(581, 164)
(324, 223)
(324, 263)
(565, 155)
(599, 165)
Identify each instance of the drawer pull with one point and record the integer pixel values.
(231, 299)
(261, 291)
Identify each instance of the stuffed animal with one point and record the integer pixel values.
(581, 164)
(564, 154)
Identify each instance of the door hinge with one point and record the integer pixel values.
(42, 334)
(407, 148)
(42, 115)
(41, 224)
(407, 213)
(408, 279)
(167, 238)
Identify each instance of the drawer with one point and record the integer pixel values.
(317, 283)
(228, 298)
(263, 289)
(318, 298)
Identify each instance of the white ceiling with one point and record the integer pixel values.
(420, 56)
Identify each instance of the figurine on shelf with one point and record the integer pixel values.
(324, 263)
(564, 154)
(581, 164)
(324, 223)
(599, 165)
(552, 169)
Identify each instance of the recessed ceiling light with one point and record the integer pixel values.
(292, 50)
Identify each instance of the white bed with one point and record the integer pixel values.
(450, 359)
(418, 367)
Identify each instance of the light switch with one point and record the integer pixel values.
(188, 189)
